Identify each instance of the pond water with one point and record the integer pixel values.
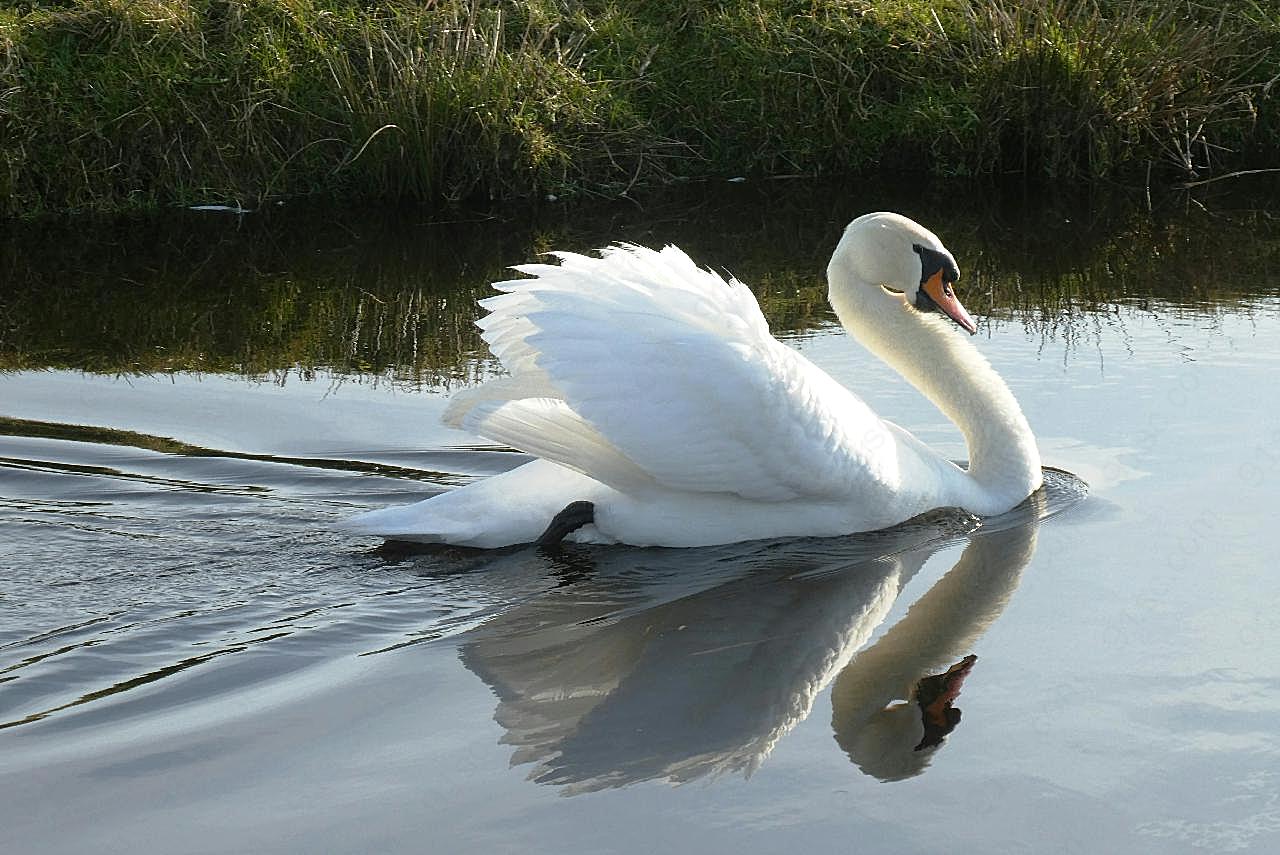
(193, 659)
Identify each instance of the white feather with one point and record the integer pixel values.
(675, 370)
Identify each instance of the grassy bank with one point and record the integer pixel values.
(108, 104)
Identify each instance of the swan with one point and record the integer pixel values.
(664, 413)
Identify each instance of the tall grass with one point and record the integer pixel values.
(1080, 88)
(108, 104)
(121, 103)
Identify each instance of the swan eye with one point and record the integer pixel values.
(933, 262)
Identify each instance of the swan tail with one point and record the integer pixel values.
(512, 508)
(428, 521)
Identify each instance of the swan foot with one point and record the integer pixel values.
(574, 516)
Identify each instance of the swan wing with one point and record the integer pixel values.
(637, 368)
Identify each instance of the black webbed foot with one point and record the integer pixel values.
(574, 516)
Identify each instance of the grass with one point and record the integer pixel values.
(118, 104)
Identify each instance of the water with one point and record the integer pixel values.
(193, 660)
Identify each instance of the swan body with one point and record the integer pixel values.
(653, 390)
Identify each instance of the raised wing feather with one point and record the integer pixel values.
(638, 368)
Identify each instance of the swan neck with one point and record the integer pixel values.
(1004, 463)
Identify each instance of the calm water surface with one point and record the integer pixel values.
(193, 660)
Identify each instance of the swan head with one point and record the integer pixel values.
(899, 740)
(886, 250)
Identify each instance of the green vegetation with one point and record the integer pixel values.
(384, 297)
(111, 104)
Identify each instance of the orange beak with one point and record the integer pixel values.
(942, 294)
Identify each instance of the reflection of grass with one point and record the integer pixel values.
(382, 295)
(108, 104)
(203, 299)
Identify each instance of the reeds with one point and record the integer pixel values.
(110, 104)
(118, 104)
(1078, 89)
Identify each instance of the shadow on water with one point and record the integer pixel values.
(392, 293)
(680, 664)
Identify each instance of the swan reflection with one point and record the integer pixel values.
(680, 664)
(892, 706)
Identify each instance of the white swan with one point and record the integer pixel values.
(665, 414)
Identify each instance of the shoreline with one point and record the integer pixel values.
(116, 106)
